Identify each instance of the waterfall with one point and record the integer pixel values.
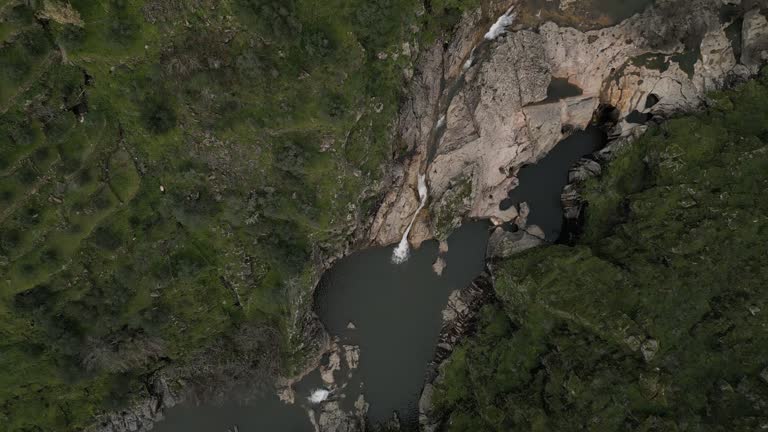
(318, 396)
(440, 123)
(470, 60)
(402, 251)
(500, 27)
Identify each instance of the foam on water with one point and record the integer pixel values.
(500, 26)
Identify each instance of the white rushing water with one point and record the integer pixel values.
(500, 26)
(318, 396)
(440, 123)
(470, 60)
(403, 250)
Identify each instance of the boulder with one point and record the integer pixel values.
(649, 348)
(504, 244)
(352, 356)
(754, 36)
(333, 419)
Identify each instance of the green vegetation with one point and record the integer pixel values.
(455, 202)
(656, 319)
(169, 171)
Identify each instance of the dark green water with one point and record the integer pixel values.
(397, 312)
(267, 414)
(541, 183)
(560, 88)
(621, 9)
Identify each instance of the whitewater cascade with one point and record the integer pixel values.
(402, 251)
(318, 396)
(500, 26)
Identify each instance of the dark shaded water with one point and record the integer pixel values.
(621, 9)
(541, 183)
(397, 313)
(560, 88)
(267, 414)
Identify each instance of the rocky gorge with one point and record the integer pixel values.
(659, 62)
(474, 117)
(477, 112)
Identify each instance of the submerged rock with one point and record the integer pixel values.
(439, 266)
(352, 356)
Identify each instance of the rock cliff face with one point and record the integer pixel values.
(471, 131)
(144, 414)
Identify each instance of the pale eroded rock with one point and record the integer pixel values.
(497, 121)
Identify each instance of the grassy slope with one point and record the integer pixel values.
(674, 252)
(261, 121)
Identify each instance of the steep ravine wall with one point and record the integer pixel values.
(660, 62)
(660, 93)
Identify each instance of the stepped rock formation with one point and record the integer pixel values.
(498, 117)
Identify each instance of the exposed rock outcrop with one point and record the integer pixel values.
(332, 418)
(504, 244)
(497, 116)
(437, 64)
(330, 414)
(144, 414)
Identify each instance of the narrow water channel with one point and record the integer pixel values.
(541, 183)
